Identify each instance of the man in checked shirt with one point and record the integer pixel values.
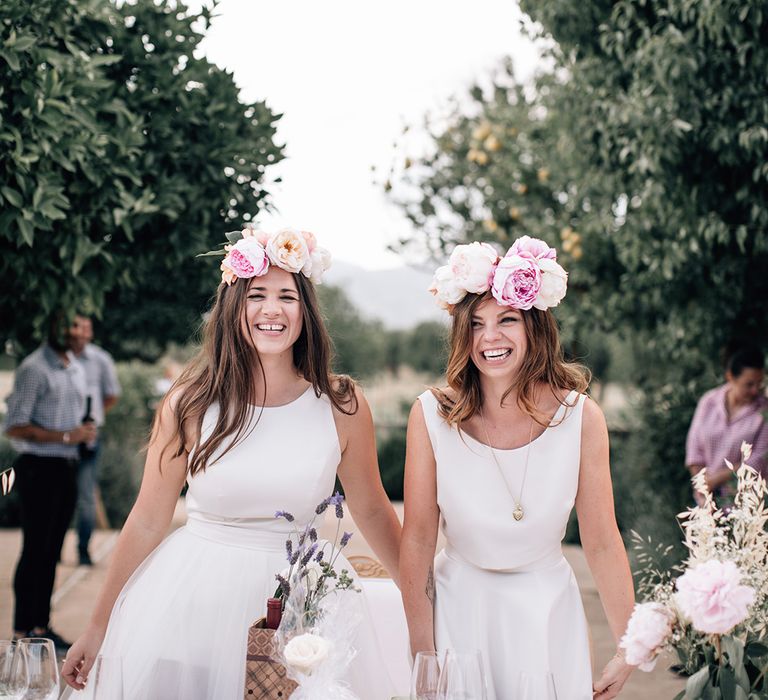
(44, 422)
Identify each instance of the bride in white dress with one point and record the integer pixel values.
(256, 424)
(498, 459)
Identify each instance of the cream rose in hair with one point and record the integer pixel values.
(288, 250)
(472, 266)
(445, 287)
(305, 652)
(554, 283)
(319, 261)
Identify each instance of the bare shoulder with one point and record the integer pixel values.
(593, 415)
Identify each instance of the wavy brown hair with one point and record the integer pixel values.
(222, 372)
(543, 362)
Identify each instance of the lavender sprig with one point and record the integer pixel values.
(284, 514)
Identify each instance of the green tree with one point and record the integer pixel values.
(359, 343)
(122, 155)
(652, 130)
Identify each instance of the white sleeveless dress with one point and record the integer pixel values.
(503, 586)
(180, 624)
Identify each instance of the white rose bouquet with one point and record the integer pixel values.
(714, 614)
(320, 610)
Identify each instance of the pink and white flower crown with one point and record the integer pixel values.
(250, 252)
(527, 276)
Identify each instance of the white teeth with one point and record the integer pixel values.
(492, 354)
(269, 327)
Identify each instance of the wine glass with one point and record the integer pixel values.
(425, 676)
(462, 677)
(535, 686)
(14, 677)
(107, 678)
(43, 668)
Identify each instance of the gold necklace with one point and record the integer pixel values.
(517, 512)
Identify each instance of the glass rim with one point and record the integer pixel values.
(34, 640)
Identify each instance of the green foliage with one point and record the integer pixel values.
(645, 149)
(122, 155)
(124, 436)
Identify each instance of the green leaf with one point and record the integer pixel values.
(105, 59)
(11, 59)
(695, 685)
(212, 254)
(756, 650)
(25, 42)
(234, 236)
(12, 196)
(27, 230)
(734, 648)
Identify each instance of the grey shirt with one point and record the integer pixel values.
(49, 394)
(101, 378)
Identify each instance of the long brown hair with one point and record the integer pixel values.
(222, 372)
(543, 362)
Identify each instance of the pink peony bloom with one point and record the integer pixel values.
(647, 632)
(516, 282)
(247, 258)
(528, 247)
(554, 283)
(472, 266)
(712, 597)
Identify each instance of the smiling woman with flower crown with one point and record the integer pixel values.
(498, 458)
(255, 423)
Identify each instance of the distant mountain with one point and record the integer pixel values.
(398, 297)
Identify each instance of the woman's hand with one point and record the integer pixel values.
(80, 657)
(612, 680)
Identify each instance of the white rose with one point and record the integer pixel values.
(288, 249)
(319, 262)
(554, 282)
(306, 652)
(472, 266)
(445, 287)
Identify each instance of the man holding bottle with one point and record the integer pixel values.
(44, 423)
(102, 392)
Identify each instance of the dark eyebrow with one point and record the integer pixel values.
(264, 289)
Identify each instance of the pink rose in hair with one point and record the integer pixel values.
(712, 597)
(516, 282)
(445, 287)
(247, 258)
(472, 266)
(647, 632)
(527, 247)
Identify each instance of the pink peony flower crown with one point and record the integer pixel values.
(527, 276)
(250, 252)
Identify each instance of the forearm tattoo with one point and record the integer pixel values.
(430, 589)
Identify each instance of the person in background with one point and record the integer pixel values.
(44, 423)
(103, 388)
(726, 416)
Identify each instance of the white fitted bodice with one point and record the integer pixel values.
(287, 462)
(476, 506)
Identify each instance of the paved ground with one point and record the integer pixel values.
(77, 587)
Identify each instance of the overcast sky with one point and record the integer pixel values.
(348, 76)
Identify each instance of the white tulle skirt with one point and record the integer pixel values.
(527, 624)
(180, 625)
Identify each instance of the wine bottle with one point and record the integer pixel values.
(87, 449)
(274, 613)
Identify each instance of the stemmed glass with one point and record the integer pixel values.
(40, 655)
(107, 678)
(425, 676)
(14, 677)
(535, 686)
(462, 677)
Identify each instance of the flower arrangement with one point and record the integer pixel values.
(714, 614)
(319, 616)
(527, 276)
(250, 252)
